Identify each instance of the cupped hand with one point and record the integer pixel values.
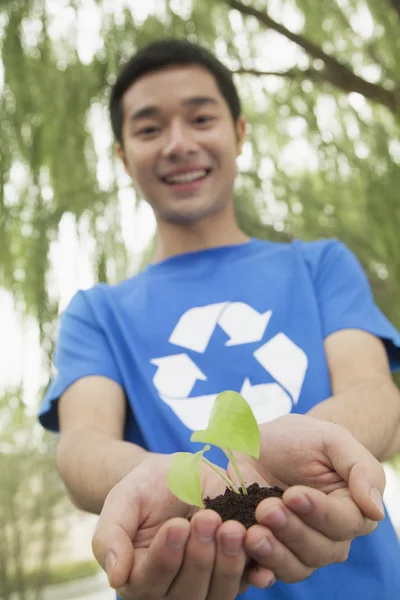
(333, 494)
(150, 550)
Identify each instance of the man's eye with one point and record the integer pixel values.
(203, 119)
(146, 131)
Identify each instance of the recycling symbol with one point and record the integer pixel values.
(280, 357)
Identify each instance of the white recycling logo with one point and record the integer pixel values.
(177, 374)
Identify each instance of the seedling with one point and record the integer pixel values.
(233, 428)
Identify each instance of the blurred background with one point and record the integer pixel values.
(320, 85)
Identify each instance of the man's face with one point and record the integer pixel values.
(180, 143)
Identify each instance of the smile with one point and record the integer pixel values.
(188, 177)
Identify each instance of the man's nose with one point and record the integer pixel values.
(179, 141)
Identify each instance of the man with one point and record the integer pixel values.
(293, 327)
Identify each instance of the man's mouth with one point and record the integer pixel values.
(188, 177)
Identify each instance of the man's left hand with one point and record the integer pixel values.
(333, 494)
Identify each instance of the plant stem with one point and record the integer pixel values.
(222, 474)
(231, 457)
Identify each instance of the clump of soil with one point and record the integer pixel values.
(241, 507)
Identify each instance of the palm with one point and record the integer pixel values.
(292, 453)
(156, 502)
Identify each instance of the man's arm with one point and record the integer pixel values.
(364, 399)
(92, 456)
(143, 548)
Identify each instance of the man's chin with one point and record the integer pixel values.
(188, 213)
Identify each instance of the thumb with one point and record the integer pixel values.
(112, 540)
(361, 470)
(367, 484)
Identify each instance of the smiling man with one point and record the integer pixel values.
(293, 327)
(191, 196)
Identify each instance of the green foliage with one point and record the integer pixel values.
(323, 137)
(31, 497)
(349, 192)
(62, 573)
(72, 571)
(233, 428)
(184, 477)
(232, 425)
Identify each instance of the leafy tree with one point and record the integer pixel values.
(320, 83)
(338, 102)
(31, 499)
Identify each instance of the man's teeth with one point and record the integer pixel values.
(187, 177)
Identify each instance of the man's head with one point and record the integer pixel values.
(175, 113)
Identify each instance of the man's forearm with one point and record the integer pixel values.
(370, 411)
(92, 463)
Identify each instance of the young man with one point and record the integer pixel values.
(293, 327)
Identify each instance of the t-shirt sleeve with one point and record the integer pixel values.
(82, 350)
(346, 301)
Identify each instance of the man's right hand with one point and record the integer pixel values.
(150, 550)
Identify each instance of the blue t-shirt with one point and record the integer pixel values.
(252, 318)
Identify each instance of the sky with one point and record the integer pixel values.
(70, 254)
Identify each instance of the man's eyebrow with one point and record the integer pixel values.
(146, 111)
(152, 110)
(199, 100)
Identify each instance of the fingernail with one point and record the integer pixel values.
(275, 517)
(263, 548)
(177, 538)
(231, 544)
(205, 530)
(300, 504)
(271, 582)
(376, 498)
(111, 561)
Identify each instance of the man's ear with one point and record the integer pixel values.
(240, 134)
(121, 155)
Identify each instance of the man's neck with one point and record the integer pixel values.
(174, 239)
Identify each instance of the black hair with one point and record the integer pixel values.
(160, 54)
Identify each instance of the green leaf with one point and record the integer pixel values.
(232, 425)
(184, 477)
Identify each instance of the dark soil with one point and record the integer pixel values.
(241, 507)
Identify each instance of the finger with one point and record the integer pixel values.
(260, 577)
(256, 575)
(155, 568)
(311, 547)
(335, 515)
(195, 575)
(367, 483)
(270, 553)
(230, 562)
(363, 472)
(112, 539)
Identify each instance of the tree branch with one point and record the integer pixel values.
(289, 74)
(335, 72)
(396, 6)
